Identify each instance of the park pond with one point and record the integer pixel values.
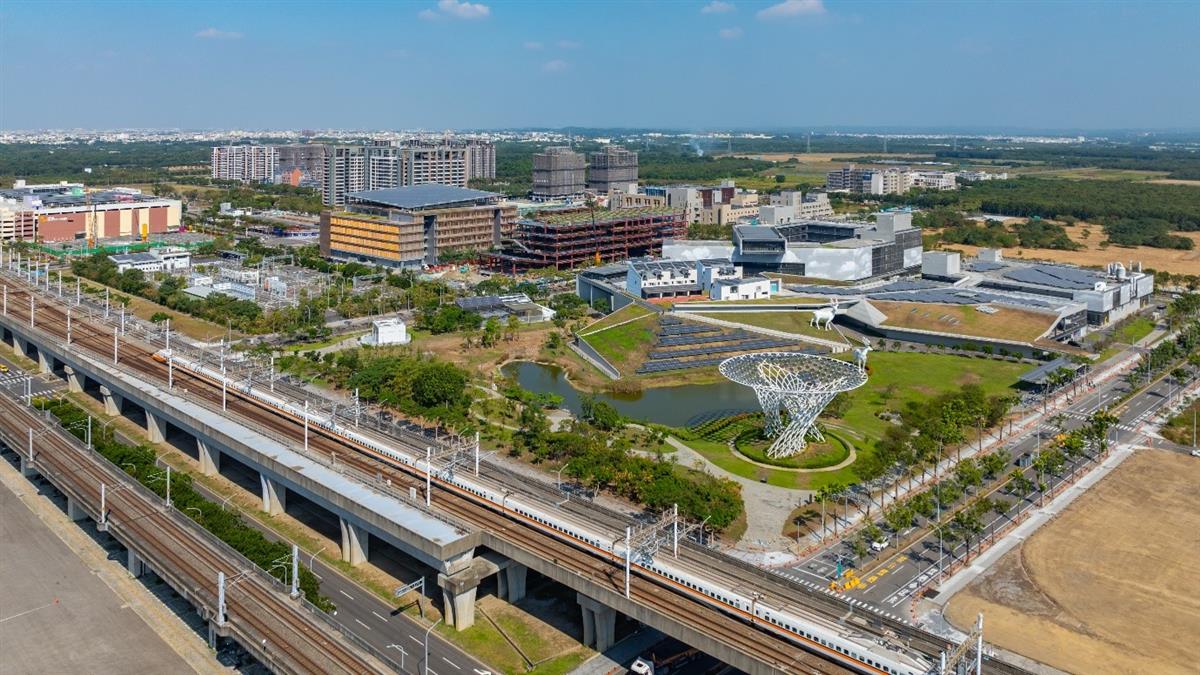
(680, 406)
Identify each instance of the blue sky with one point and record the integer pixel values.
(694, 65)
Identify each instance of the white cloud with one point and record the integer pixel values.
(429, 15)
(214, 34)
(533, 45)
(730, 33)
(555, 66)
(790, 8)
(717, 7)
(569, 44)
(464, 10)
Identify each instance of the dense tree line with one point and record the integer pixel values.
(1180, 163)
(227, 525)
(110, 162)
(598, 460)
(1145, 232)
(412, 384)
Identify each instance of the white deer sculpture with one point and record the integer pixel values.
(825, 316)
(860, 354)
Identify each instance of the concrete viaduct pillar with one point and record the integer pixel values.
(27, 468)
(599, 623)
(74, 385)
(134, 563)
(510, 582)
(356, 542)
(74, 511)
(210, 458)
(274, 495)
(113, 403)
(156, 427)
(458, 597)
(17, 347)
(44, 364)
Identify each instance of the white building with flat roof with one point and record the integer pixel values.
(386, 332)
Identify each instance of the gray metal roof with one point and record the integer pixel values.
(131, 258)
(1039, 374)
(757, 233)
(422, 196)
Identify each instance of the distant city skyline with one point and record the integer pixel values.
(449, 64)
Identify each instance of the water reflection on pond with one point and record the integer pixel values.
(673, 406)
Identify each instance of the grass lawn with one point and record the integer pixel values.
(1179, 428)
(1133, 330)
(788, 322)
(910, 377)
(624, 314)
(625, 346)
(1006, 323)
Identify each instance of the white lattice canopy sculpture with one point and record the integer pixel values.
(801, 384)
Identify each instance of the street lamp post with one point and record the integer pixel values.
(427, 632)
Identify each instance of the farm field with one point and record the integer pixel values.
(1096, 590)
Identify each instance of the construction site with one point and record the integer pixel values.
(568, 238)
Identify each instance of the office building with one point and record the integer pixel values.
(519, 305)
(165, 259)
(1109, 296)
(791, 206)
(301, 164)
(874, 181)
(934, 180)
(244, 163)
(741, 207)
(558, 173)
(413, 225)
(566, 238)
(67, 212)
(631, 197)
(841, 251)
(612, 167)
(715, 278)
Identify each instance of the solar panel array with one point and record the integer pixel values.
(679, 341)
(686, 329)
(677, 364)
(739, 346)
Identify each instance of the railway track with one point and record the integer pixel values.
(256, 612)
(734, 632)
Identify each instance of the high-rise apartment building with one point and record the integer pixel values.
(557, 172)
(300, 165)
(245, 163)
(481, 159)
(388, 164)
(345, 172)
(612, 167)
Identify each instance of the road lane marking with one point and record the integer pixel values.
(451, 663)
(362, 624)
(345, 594)
(380, 617)
(414, 639)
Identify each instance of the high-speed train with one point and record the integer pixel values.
(858, 651)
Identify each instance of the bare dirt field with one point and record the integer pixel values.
(1108, 587)
(1090, 235)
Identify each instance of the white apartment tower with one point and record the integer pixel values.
(244, 163)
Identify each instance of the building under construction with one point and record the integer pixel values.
(567, 238)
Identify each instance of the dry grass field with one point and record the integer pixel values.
(1090, 235)
(1107, 587)
(1006, 323)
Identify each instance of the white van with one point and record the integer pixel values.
(879, 545)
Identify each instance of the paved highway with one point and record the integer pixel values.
(891, 584)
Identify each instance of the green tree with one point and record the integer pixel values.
(438, 384)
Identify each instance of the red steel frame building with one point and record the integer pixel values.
(564, 239)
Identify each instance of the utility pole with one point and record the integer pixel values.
(628, 556)
(428, 475)
(295, 571)
(116, 339)
(305, 425)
